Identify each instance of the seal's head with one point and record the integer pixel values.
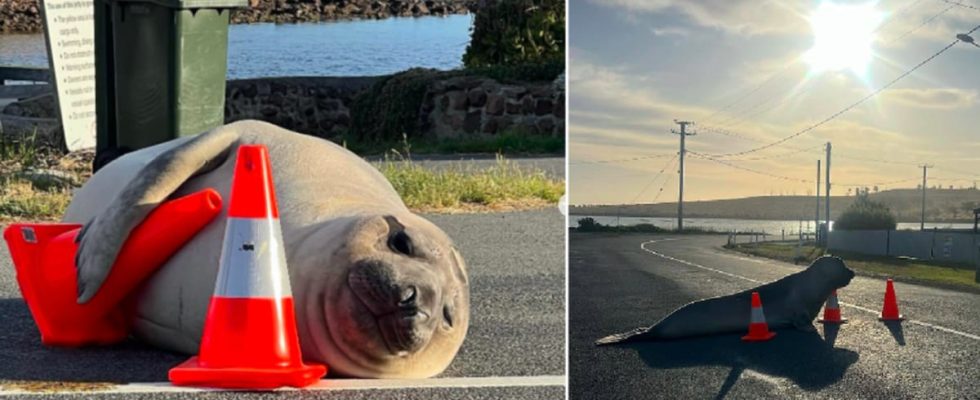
(381, 296)
(833, 270)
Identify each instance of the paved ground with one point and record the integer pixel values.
(516, 263)
(615, 285)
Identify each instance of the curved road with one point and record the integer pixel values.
(619, 282)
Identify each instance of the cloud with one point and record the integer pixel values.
(741, 17)
(944, 98)
(670, 31)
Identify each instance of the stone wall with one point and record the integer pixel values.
(460, 107)
(472, 106)
(316, 106)
(23, 16)
(327, 10)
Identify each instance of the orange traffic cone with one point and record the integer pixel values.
(758, 329)
(249, 338)
(889, 311)
(831, 311)
(44, 258)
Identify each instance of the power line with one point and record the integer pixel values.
(850, 107)
(960, 4)
(621, 160)
(785, 68)
(924, 23)
(876, 183)
(741, 119)
(668, 164)
(755, 171)
(662, 186)
(780, 155)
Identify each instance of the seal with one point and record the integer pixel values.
(792, 301)
(379, 291)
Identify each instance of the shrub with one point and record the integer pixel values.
(391, 107)
(513, 32)
(865, 214)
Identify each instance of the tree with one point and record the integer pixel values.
(515, 32)
(865, 214)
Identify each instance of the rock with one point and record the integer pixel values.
(495, 104)
(458, 100)
(478, 97)
(545, 125)
(45, 179)
(472, 122)
(544, 107)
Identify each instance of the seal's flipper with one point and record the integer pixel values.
(637, 334)
(103, 236)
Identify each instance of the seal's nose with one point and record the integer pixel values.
(408, 297)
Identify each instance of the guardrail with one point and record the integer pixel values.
(38, 75)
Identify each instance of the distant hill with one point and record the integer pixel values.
(942, 205)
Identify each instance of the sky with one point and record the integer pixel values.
(751, 73)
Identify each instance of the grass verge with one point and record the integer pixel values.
(507, 143)
(459, 188)
(948, 275)
(36, 185)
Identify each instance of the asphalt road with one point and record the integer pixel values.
(615, 285)
(517, 331)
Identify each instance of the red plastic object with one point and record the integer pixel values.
(831, 311)
(249, 339)
(758, 328)
(889, 311)
(44, 258)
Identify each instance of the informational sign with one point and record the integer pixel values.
(948, 247)
(69, 29)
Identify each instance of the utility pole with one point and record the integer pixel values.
(680, 196)
(816, 220)
(922, 222)
(827, 206)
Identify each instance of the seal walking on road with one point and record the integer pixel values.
(793, 301)
(379, 292)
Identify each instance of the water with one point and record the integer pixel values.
(343, 48)
(772, 227)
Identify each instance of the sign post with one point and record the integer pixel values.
(69, 32)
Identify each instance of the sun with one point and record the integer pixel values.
(843, 34)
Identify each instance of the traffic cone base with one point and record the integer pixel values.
(758, 328)
(759, 337)
(44, 259)
(192, 373)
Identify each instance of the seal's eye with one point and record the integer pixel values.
(400, 242)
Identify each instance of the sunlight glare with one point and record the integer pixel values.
(843, 34)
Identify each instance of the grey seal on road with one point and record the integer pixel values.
(379, 292)
(792, 301)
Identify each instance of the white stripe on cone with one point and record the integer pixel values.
(253, 260)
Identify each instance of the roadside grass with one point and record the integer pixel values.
(951, 275)
(504, 186)
(36, 184)
(506, 143)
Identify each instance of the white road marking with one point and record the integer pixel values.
(855, 306)
(331, 385)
